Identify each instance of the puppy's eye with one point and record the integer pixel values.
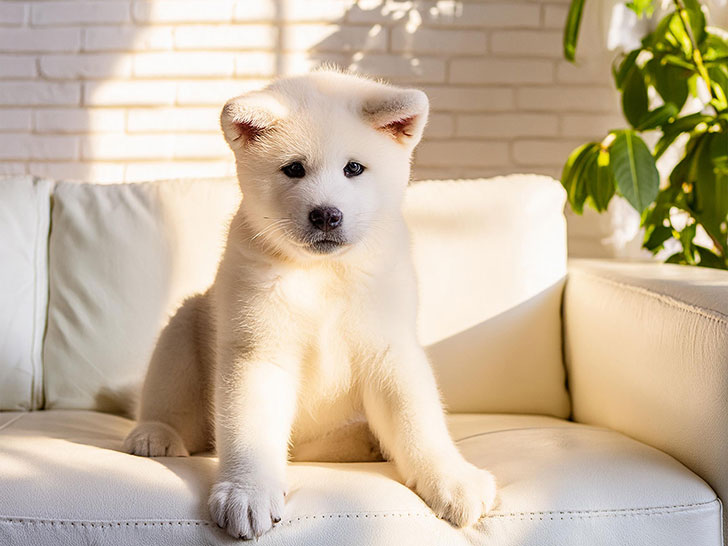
(353, 169)
(294, 170)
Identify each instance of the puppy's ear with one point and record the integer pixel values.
(400, 113)
(246, 118)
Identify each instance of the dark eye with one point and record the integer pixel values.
(353, 169)
(294, 170)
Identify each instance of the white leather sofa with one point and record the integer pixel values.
(598, 398)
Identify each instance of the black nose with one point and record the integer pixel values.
(326, 218)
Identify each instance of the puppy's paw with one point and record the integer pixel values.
(154, 439)
(459, 493)
(248, 507)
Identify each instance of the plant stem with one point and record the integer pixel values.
(697, 56)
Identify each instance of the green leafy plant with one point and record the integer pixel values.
(681, 58)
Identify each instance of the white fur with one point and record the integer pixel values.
(295, 350)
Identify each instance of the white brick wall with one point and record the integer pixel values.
(114, 90)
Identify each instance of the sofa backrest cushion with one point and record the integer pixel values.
(490, 256)
(25, 204)
(122, 258)
(491, 262)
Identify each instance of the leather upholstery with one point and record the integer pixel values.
(123, 257)
(66, 483)
(24, 220)
(647, 354)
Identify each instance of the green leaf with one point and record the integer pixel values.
(572, 176)
(697, 20)
(620, 74)
(719, 80)
(571, 29)
(710, 187)
(681, 125)
(658, 117)
(634, 97)
(678, 30)
(679, 62)
(676, 258)
(601, 185)
(641, 7)
(686, 239)
(671, 83)
(709, 259)
(634, 170)
(656, 236)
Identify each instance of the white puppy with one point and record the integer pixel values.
(306, 340)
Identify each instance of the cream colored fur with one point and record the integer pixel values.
(297, 350)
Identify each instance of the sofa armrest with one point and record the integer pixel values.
(646, 349)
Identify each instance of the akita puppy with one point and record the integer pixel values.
(305, 346)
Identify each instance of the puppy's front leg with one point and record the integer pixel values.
(254, 406)
(404, 410)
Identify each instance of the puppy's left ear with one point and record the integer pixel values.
(400, 113)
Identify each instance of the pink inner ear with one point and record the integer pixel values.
(248, 130)
(399, 127)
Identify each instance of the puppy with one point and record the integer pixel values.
(305, 346)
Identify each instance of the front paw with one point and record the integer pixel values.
(248, 507)
(459, 492)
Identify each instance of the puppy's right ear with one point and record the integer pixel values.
(246, 118)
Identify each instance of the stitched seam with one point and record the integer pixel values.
(6, 425)
(664, 298)
(581, 427)
(547, 515)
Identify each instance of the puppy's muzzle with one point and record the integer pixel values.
(326, 218)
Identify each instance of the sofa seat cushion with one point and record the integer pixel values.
(65, 482)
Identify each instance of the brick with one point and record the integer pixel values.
(17, 66)
(94, 171)
(129, 93)
(440, 126)
(302, 62)
(313, 10)
(190, 11)
(152, 170)
(91, 66)
(507, 125)
(39, 93)
(555, 16)
(592, 126)
(467, 153)
(200, 146)
(568, 99)
(218, 37)
(183, 64)
(30, 146)
(128, 38)
(486, 15)
(142, 120)
(255, 64)
(12, 13)
(11, 168)
(500, 71)
(401, 69)
(304, 37)
(115, 146)
(79, 120)
(15, 119)
(527, 43)
(65, 13)
(260, 10)
(426, 40)
(40, 39)
(596, 71)
(543, 152)
(214, 92)
(475, 99)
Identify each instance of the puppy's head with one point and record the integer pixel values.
(323, 160)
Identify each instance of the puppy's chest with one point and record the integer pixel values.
(320, 310)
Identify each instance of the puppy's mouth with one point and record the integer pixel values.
(326, 245)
